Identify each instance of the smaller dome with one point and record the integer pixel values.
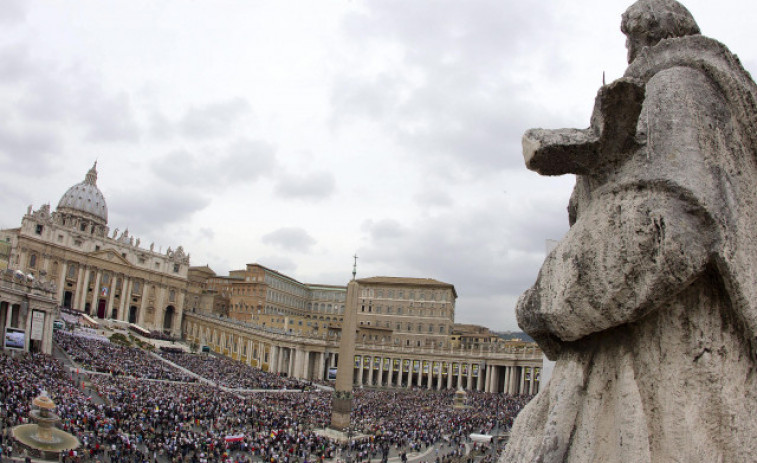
(87, 198)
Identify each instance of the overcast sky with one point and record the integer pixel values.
(296, 134)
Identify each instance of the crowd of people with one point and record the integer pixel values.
(230, 373)
(135, 419)
(104, 356)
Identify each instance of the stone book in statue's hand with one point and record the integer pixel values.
(585, 152)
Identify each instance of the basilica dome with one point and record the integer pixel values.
(85, 199)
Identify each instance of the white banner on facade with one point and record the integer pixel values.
(38, 324)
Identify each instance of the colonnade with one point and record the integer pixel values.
(310, 358)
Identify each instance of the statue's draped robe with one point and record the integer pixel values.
(648, 301)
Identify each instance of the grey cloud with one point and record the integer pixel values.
(384, 230)
(476, 250)
(279, 263)
(213, 119)
(243, 161)
(433, 197)
(13, 12)
(312, 186)
(15, 63)
(47, 100)
(108, 117)
(159, 126)
(248, 160)
(455, 96)
(154, 208)
(207, 233)
(29, 151)
(290, 239)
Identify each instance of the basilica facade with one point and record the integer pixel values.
(104, 274)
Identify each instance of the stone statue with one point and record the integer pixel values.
(649, 303)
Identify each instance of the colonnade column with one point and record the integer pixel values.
(273, 359)
(321, 366)
(261, 355)
(449, 375)
(531, 387)
(371, 361)
(306, 370)
(290, 363)
(380, 379)
(522, 385)
(409, 383)
(480, 379)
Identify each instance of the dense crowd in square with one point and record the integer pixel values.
(230, 373)
(123, 416)
(101, 355)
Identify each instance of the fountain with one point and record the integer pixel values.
(460, 400)
(42, 436)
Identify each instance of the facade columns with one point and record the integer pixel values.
(480, 379)
(123, 313)
(143, 304)
(449, 375)
(111, 298)
(95, 295)
(80, 298)
(62, 281)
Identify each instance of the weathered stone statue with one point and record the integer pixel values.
(649, 303)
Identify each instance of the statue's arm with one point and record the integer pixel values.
(634, 246)
(630, 251)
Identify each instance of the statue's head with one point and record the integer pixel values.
(646, 22)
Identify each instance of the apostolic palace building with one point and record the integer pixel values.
(406, 333)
